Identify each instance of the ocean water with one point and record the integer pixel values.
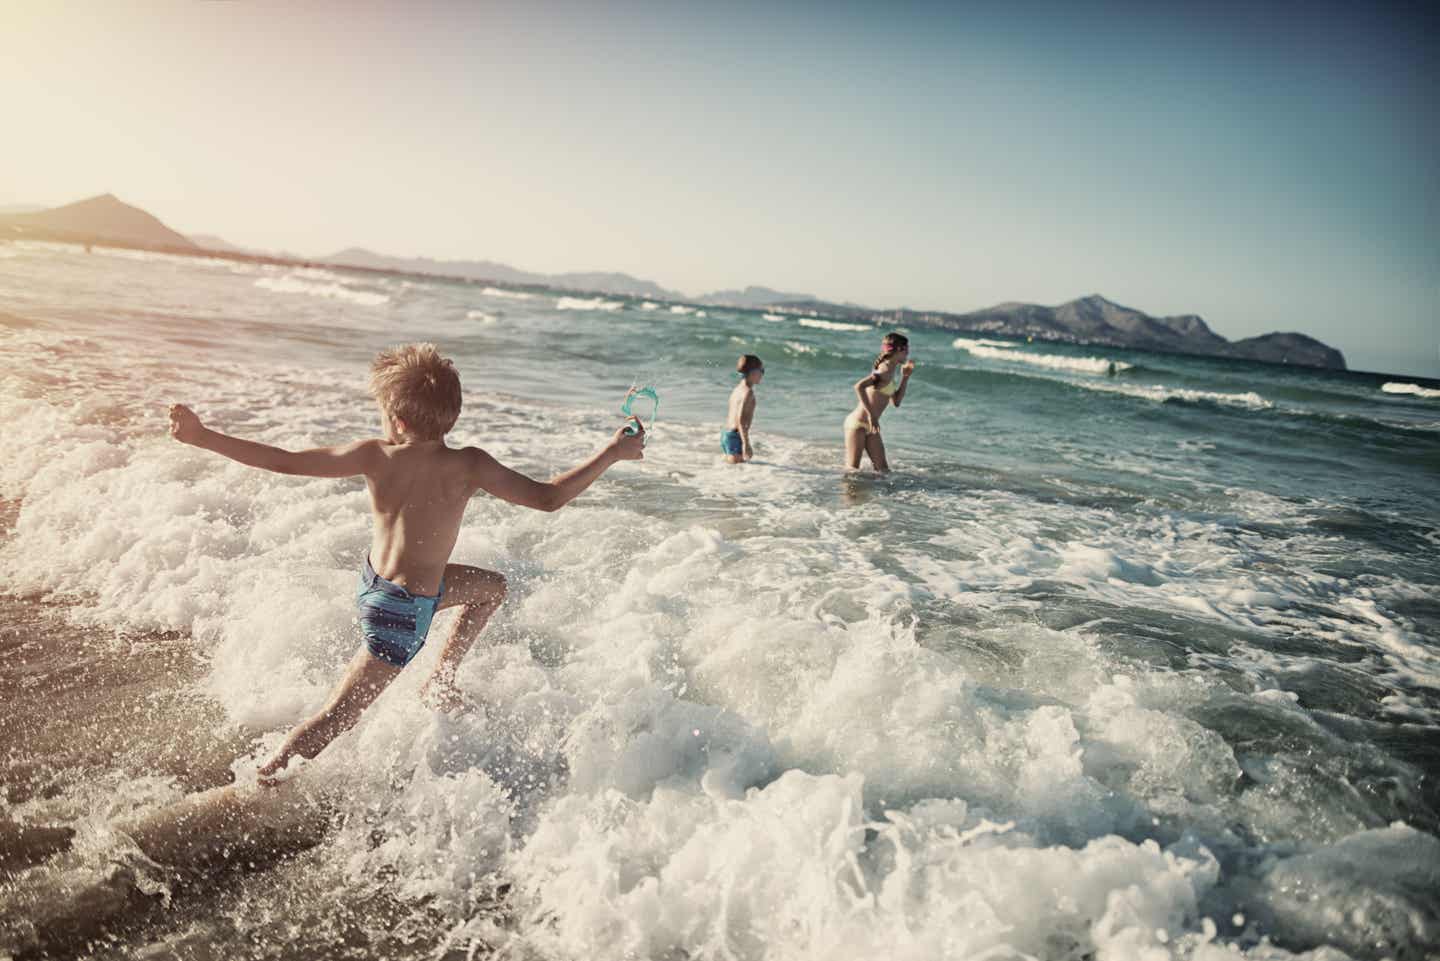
(1140, 664)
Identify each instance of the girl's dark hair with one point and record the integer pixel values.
(893, 341)
(747, 363)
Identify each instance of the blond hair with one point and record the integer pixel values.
(414, 384)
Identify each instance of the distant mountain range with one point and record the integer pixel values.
(1095, 320)
(1102, 322)
(1088, 320)
(489, 270)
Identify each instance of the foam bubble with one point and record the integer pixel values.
(507, 294)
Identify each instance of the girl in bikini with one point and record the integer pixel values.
(882, 386)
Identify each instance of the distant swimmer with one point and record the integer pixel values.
(1110, 369)
(419, 488)
(735, 441)
(883, 386)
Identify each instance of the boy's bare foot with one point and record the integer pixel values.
(270, 772)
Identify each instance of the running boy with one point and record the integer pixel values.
(418, 487)
(735, 441)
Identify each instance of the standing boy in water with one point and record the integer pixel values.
(735, 441)
(419, 488)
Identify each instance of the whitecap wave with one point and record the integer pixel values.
(681, 309)
(1414, 390)
(507, 294)
(483, 316)
(587, 303)
(1005, 351)
(296, 284)
(774, 318)
(649, 305)
(1161, 394)
(819, 324)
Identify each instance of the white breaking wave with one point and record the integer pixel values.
(587, 303)
(1415, 390)
(774, 318)
(1159, 393)
(649, 305)
(483, 316)
(681, 309)
(799, 348)
(1006, 344)
(1002, 350)
(831, 324)
(293, 284)
(508, 294)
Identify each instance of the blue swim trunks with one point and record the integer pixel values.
(730, 443)
(393, 620)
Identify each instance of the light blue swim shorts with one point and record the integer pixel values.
(393, 620)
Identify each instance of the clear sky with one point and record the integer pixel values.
(1268, 166)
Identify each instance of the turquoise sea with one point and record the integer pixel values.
(1142, 664)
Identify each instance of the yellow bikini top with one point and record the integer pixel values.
(887, 389)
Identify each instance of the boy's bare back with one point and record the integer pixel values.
(418, 495)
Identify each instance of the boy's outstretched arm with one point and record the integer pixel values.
(493, 477)
(344, 461)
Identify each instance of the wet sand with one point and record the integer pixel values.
(96, 861)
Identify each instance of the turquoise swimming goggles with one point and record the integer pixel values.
(641, 393)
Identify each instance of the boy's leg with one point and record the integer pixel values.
(478, 593)
(366, 677)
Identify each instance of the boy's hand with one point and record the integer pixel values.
(184, 425)
(630, 446)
